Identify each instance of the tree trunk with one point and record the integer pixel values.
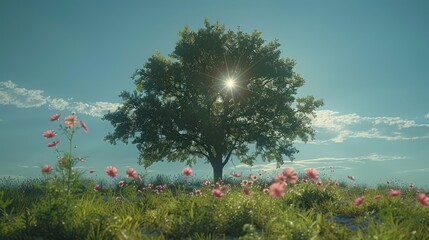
(217, 168)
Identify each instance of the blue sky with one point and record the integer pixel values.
(366, 59)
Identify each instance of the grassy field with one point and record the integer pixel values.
(243, 207)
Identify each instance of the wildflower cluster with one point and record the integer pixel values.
(66, 160)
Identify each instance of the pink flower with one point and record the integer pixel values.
(71, 121)
(187, 172)
(54, 143)
(377, 197)
(121, 183)
(266, 191)
(351, 177)
(91, 171)
(247, 191)
(217, 193)
(97, 187)
(254, 177)
(47, 169)
(111, 171)
(319, 183)
(49, 134)
(290, 175)
(277, 190)
(140, 178)
(131, 173)
(280, 178)
(237, 175)
(411, 186)
(394, 193)
(83, 124)
(311, 173)
(359, 200)
(244, 182)
(223, 188)
(423, 199)
(207, 183)
(149, 185)
(55, 117)
(337, 184)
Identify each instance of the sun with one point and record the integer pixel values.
(230, 83)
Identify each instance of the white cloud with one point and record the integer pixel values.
(345, 126)
(368, 158)
(58, 104)
(414, 170)
(97, 109)
(427, 115)
(320, 163)
(11, 94)
(334, 121)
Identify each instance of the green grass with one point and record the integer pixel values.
(43, 209)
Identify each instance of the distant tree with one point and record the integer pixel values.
(219, 93)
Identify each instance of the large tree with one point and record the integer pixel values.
(219, 93)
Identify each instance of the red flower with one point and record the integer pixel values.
(247, 191)
(55, 117)
(131, 173)
(311, 173)
(187, 172)
(83, 124)
(351, 177)
(49, 134)
(237, 175)
(111, 171)
(217, 193)
(394, 193)
(47, 169)
(54, 143)
(359, 200)
(423, 199)
(97, 187)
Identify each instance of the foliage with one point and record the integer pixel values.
(216, 94)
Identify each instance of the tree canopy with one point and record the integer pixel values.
(219, 93)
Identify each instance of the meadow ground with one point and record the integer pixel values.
(240, 207)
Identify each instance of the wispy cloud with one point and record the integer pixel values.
(421, 170)
(427, 115)
(12, 94)
(339, 127)
(27, 166)
(322, 162)
(359, 159)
